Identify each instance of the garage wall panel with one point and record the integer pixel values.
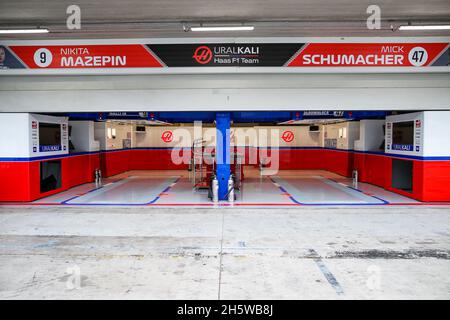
(233, 92)
(15, 181)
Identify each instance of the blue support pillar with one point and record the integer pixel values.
(223, 120)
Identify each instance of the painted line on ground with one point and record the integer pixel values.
(94, 189)
(384, 202)
(121, 204)
(327, 273)
(350, 187)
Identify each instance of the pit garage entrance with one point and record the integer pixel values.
(192, 123)
(210, 159)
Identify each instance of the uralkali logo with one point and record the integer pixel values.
(227, 55)
(203, 55)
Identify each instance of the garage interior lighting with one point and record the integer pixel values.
(23, 31)
(222, 28)
(433, 27)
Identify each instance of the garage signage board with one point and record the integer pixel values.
(210, 55)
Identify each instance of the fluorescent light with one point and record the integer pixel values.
(223, 28)
(19, 31)
(433, 27)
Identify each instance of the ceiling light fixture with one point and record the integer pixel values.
(23, 31)
(424, 27)
(221, 28)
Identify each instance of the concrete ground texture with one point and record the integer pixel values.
(229, 253)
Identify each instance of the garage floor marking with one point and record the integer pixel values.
(129, 191)
(326, 272)
(316, 190)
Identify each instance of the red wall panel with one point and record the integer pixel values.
(115, 162)
(307, 159)
(94, 163)
(377, 170)
(292, 159)
(14, 181)
(435, 177)
(340, 162)
(77, 170)
(159, 159)
(20, 180)
(35, 186)
(359, 163)
(417, 184)
(250, 155)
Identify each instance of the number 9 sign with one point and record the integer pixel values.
(43, 57)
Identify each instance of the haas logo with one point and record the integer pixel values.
(287, 136)
(167, 136)
(202, 55)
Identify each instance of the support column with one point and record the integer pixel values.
(223, 120)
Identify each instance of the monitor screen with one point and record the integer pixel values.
(403, 135)
(49, 136)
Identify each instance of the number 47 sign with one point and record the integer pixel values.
(418, 56)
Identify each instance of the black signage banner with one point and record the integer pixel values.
(225, 55)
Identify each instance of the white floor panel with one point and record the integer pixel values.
(183, 193)
(261, 191)
(132, 190)
(319, 190)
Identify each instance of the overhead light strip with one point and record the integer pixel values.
(424, 27)
(23, 31)
(221, 28)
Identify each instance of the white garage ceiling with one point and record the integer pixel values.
(164, 18)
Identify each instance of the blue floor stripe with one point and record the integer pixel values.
(120, 204)
(331, 203)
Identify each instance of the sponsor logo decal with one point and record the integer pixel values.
(49, 148)
(227, 55)
(287, 136)
(202, 55)
(167, 136)
(326, 114)
(402, 147)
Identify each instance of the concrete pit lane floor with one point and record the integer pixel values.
(371, 252)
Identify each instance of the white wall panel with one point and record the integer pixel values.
(371, 135)
(82, 136)
(436, 134)
(231, 92)
(14, 135)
